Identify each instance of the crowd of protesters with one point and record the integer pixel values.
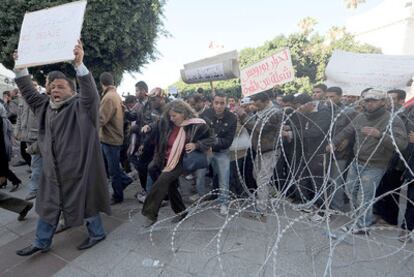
(325, 152)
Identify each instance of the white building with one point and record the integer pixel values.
(389, 26)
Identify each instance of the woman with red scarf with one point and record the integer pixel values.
(178, 131)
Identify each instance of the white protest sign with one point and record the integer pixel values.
(267, 73)
(354, 72)
(224, 66)
(205, 73)
(50, 35)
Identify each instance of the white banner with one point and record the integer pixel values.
(50, 35)
(267, 73)
(354, 72)
(206, 73)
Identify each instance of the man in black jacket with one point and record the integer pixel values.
(311, 134)
(224, 124)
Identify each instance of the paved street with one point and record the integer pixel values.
(205, 244)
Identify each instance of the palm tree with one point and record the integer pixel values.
(353, 4)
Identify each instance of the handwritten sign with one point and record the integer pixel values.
(267, 73)
(354, 72)
(49, 36)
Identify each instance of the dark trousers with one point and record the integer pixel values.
(311, 179)
(409, 212)
(119, 179)
(141, 163)
(12, 177)
(165, 184)
(11, 203)
(26, 157)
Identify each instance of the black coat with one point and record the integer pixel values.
(224, 128)
(73, 179)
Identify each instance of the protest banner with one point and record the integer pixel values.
(267, 73)
(220, 67)
(354, 72)
(50, 35)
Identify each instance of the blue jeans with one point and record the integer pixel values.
(361, 185)
(220, 161)
(119, 179)
(45, 231)
(36, 166)
(337, 191)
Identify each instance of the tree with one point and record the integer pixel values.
(310, 54)
(119, 36)
(353, 4)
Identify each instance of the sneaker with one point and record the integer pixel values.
(355, 231)
(307, 210)
(318, 217)
(30, 196)
(189, 177)
(141, 196)
(14, 187)
(133, 175)
(194, 197)
(224, 210)
(19, 163)
(405, 237)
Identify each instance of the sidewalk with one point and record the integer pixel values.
(206, 244)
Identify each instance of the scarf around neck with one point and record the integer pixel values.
(178, 145)
(57, 106)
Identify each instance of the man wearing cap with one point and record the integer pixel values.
(146, 120)
(375, 132)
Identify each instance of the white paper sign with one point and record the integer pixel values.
(354, 72)
(205, 73)
(267, 73)
(50, 35)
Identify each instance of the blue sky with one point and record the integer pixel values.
(193, 24)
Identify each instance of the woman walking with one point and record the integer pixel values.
(178, 130)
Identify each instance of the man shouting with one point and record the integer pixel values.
(73, 181)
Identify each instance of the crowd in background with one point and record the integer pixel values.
(325, 152)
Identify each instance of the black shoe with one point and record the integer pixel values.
(30, 250)
(61, 227)
(19, 163)
(115, 202)
(23, 213)
(32, 195)
(149, 222)
(178, 218)
(88, 243)
(14, 187)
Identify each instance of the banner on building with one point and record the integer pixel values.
(354, 72)
(224, 66)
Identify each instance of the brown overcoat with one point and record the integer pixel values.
(73, 179)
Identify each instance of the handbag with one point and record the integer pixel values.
(194, 160)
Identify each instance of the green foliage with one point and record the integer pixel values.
(118, 36)
(310, 54)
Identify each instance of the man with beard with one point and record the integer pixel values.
(374, 133)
